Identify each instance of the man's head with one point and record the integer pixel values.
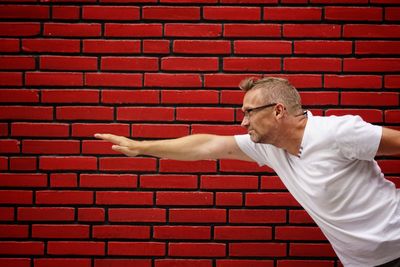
(266, 105)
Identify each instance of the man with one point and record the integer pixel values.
(327, 163)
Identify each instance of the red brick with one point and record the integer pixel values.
(16, 197)
(168, 181)
(19, 96)
(371, 64)
(121, 232)
(69, 96)
(190, 13)
(127, 164)
(64, 180)
(160, 130)
(182, 263)
(257, 216)
(377, 47)
(9, 146)
(98, 147)
(197, 30)
(184, 199)
(6, 214)
(392, 81)
(61, 262)
(64, 231)
(50, 147)
(229, 182)
(39, 129)
(353, 13)
(272, 183)
(340, 1)
(4, 129)
(24, 12)
(145, 114)
(129, 63)
(10, 78)
(392, 116)
(242, 233)
(126, 13)
(72, 29)
(21, 248)
(389, 166)
(23, 180)
(205, 114)
(319, 98)
(133, 30)
(257, 249)
(311, 31)
(239, 263)
(231, 13)
(113, 79)
(85, 113)
(137, 215)
(313, 64)
(45, 214)
(124, 198)
(130, 97)
(270, 199)
(108, 181)
(88, 130)
(122, 262)
(292, 13)
(369, 115)
(305, 263)
(323, 47)
(263, 47)
(84, 248)
(26, 113)
(392, 13)
(202, 47)
(14, 231)
(64, 197)
(156, 46)
(17, 63)
(186, 64)
(172, 80)
(311, 250)
(23, 163)
(136, 249)
(111, 46)
(53, 79)
(246, 64)
(300, 216)
(91, 215)
(182, 232)
(217, 129)
(197, 249)
(353, 81)
(197, 215)
(252, 30)
(68, 163)
(175, 166)
(20, 29)
(371, 31)
(229, 199)
(369, 99)
(299, 233)
(16, 262)
(3, 163)
(66, 12)
(228, 165)
(9, 45)
(75, 63)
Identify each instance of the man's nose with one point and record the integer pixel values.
(245, 122)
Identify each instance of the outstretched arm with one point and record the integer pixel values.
(390, 142)
(188, 148)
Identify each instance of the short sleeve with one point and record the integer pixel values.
(255, 151)
(358, 139)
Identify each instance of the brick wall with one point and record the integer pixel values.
(151, 69)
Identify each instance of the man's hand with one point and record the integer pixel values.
(121, 144)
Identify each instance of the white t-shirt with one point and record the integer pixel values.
(338, 182)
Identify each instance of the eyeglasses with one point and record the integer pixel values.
(248, 111)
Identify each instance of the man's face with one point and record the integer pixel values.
(260, 123)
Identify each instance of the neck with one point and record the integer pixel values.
(291, 138)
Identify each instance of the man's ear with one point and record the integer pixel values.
(279, 110)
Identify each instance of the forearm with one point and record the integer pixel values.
(189, 148)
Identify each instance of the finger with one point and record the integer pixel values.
(122, 149)
(115, 139)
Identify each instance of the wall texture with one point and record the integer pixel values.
(151, 69)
